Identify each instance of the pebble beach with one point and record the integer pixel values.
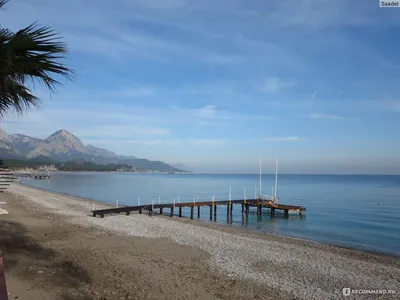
(289, 268)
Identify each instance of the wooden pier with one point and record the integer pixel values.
(260, 204)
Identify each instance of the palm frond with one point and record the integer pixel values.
(36, 54)
(3, 3)
(33, 54)
(16, 97)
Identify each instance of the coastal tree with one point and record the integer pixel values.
(29, 56)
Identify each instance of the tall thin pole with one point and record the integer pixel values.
(255, 192)
(244, 194)
(230, 194)
(276, 178)
(260, 181)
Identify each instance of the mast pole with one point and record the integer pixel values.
(276, 178)
(260, 181)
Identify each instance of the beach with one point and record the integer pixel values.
(54, 249)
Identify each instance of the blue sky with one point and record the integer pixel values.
(218, 84)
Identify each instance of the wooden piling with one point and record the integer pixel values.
(191, 212)
(213, 205)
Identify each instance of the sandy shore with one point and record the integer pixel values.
(53, 249)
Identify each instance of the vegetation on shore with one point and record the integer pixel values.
(73, 165)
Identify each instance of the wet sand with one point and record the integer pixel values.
(53, 249)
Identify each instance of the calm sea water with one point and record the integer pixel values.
(361, 211)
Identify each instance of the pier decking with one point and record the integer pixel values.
(245, 204)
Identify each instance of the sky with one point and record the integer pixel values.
(218, 84)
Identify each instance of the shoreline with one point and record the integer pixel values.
(295, 267)
(235, 227)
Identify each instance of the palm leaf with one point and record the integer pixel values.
(2, 3)
(33, 54)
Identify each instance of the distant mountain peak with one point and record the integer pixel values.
(62, 132)
(63, 146)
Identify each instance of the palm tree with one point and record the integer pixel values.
(31, 55)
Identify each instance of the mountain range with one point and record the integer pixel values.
(63, 146)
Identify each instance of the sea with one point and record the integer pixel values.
(355, 211)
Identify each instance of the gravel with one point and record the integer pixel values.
(307, 270)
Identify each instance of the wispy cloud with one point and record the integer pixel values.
(206, 111)
(327, 117)
(121, 131)
(133, 92)
(283, 139)
(164, 142)
(207, 142)
(389, 105)
(314, 95)
(274, 84)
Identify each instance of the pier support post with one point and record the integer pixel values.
(242, 209)
(272, 210)
(180, 211)
(161, 210)
(172, 211)
(247, 208)
(231, 206)
(215, 212)
(191, 212)
(286, 213)
(227, 210)
(198, 212)
(211, 208)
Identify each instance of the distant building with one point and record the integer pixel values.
(47, 168)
